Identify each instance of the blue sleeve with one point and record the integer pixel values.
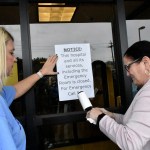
(6, 140)
(8, 93)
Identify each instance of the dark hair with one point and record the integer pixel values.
(138, 50)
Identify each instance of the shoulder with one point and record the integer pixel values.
(2, 106)
(8, 93)
(145, 90)
(8, 89)
(142, 99)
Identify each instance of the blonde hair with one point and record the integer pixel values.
(5, 36)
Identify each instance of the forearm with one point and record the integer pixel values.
(23, 86)
(123, 135)
(118, 118)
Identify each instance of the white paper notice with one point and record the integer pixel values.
(75, 71)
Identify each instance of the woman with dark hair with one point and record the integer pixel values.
(130, 131)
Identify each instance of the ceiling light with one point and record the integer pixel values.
(55, 12)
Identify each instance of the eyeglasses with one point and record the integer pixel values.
(127, 67)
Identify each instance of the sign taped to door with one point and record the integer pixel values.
(75, 70)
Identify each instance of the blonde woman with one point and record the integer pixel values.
(12, 135)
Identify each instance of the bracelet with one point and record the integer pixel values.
(99, 118)
(39, 74)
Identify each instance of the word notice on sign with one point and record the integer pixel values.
(75, 70)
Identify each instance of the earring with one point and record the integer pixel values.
(147, 72)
